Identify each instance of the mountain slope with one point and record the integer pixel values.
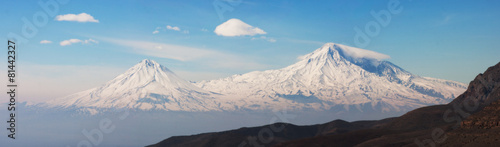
(419, 126)
(415, 128)
(284, 132)
(338, 75)
(481, 128)
(484, 89)
(146, 86)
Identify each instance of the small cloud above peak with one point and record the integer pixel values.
(69, 42)
(169, 27)
(272, 40)
(73, 41)
(90, 41)
(157, 30)
(82, 17)
(235, 27)
(45, 42)
(175, 28)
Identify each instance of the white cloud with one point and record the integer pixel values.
(169, 27)
(73, 41)
(157, 30)
(177, 52)
(362, 53)
(235, 27)
(205, 57)
(173, 28)
(88, 41)
(69, 42)
(264, 38)
(45, 42)
(82, 17)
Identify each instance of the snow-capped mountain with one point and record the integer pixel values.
(147, 85)
(333, 77)
(337, 75)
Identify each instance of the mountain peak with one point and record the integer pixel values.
(324, 52)
(147, 85)
(149, 63)
(350, 53)
(328, 46)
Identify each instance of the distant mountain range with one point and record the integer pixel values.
(472, 119)
(333, 77)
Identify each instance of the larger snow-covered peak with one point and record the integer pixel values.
(336, 74)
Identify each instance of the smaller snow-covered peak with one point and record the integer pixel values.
(147, 85)
(145, 74)
(148, 62)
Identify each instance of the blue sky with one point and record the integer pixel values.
(452, 40)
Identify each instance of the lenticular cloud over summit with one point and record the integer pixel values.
(235, 27)
(354, 53)
(361, 53)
